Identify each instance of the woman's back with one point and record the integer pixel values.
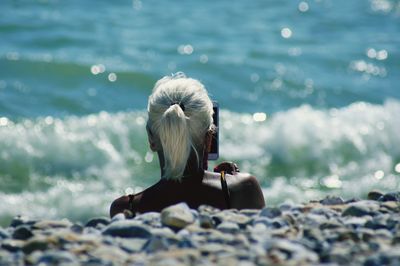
(244, 193)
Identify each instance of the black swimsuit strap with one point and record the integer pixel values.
(131, 203)
(225, 190)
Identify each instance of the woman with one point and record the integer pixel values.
(179, 129)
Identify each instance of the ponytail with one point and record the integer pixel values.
(175, 140)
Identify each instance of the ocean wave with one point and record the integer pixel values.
(73, 167)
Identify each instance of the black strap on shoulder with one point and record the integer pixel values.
(225, 190)
(131, 212)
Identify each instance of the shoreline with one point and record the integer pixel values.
(330, 231)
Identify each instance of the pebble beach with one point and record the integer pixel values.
(331, 231)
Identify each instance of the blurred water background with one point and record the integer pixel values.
(309, 92)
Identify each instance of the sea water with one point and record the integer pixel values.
(309, 95)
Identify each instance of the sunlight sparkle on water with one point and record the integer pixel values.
(149, 157)
(259, 117)
(254, 77)
(49, 120)
(97, 69)
(286, 33)
(379, 174)
(185, 49)
(112, 77)
(332, 181)
(3, 121)
(303, 7)
(379, 55)
(203, 58)
(140, 120)
(397, 168)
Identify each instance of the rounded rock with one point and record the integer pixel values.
(127, 229)
(270, 212)
(332, 200)
(228, 227)
(374, 195)
(4, 234)
(94, 222)
(22, 232)
(392, 196)
(35, 244)
(177, 216)
(56, 258)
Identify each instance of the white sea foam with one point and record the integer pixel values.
(74, 167)
(306, 153)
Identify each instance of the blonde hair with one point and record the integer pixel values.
(180, 114)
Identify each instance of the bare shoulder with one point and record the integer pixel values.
(246, 192)
(232, 180)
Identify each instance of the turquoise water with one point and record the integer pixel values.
(309, 92)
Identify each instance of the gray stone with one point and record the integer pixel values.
(156, 243)
(4, 233)
(21, 220)
(132, 245)
(213, 248)
(12, 245)
(285, 207)
(250, 212)
(228, 227)
(56, 257)
(232, 216)
(361, 208)
(94, 222)
(392, 196)
(22, 232)
(177, 216)
(206, 221)
(332, 200)
(263, 220)
(118, 217)
(270, 212)
(127, 229)
(50, 224)
(374, 195)
(356, 221)
(34, 244)
(77, 228)
(296, 251)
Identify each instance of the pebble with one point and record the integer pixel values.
(22, 232)
(392, 196)
(332, 200)
(56, 258)
(270, 212)
(4, 234)
(34, 244)
(330, 231)
(374, 195)
(177, 216)
(98, 221)
(361, 208)
(127, 228)
(228, 227)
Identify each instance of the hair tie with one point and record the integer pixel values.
(178, 75)
(180, 105)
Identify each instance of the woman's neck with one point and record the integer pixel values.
(194, 167)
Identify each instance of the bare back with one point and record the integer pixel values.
(244, 191)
